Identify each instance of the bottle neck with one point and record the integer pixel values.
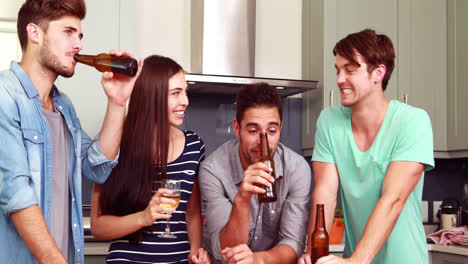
(320, 218)
(85, 59)
(264, 153)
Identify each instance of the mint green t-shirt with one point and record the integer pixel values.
(405, 135)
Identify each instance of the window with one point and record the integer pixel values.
(11, 49)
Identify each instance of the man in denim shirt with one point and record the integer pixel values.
(238, 228)
(43, 150)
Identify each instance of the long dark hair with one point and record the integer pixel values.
(145, 143)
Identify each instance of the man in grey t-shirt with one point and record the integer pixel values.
(237, 226)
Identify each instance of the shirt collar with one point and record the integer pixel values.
(26, 82)
(239, 170)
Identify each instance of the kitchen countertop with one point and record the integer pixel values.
(96, 248)
(102, 247)
(460, 250)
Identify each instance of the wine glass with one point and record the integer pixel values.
(174, 187)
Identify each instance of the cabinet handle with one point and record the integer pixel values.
(331, 98)
(405, 98)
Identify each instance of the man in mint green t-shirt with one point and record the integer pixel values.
(376, 151)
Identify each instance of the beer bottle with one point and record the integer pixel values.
(265, 156)
(319, 237)
(106, 62)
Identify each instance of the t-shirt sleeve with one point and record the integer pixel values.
(323, 148)
(415, 140)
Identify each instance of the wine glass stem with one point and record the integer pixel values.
(168, 228)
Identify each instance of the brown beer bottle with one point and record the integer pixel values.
(106, 62)
(319, 237)
(265, 156)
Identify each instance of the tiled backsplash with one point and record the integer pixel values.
(445, 181)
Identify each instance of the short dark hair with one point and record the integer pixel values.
(257, 95)
(41, 12)
(376, 49)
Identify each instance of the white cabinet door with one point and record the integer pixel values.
(457, 118)
(422, 45)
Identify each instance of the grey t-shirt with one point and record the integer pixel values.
(60, 204)
(282, 222)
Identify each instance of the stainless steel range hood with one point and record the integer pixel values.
(223, 49)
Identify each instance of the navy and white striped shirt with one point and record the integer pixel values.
(167, 250)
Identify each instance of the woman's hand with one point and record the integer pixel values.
(154, 210)
(199, 256)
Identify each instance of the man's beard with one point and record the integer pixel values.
(52, 62)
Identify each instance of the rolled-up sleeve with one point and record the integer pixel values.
(296, 208)
(16, 191)
(217, 208)
(96, 166)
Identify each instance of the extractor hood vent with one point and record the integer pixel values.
(223, 49)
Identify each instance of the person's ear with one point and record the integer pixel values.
(236, 127)
(379, 73)
(34, 33)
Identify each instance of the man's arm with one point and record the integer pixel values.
(326, 182)
(400, 180)
(279, 254)
(236, 231)
(18, 198)
(32, 228)
(118, 89)
(100, 155)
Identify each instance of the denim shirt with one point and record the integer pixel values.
(26, 163)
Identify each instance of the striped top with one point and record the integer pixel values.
(166, 250)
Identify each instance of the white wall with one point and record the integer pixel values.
(163, 27)
(101, 29)
(278, 42)
(9, 9)
(10, 47)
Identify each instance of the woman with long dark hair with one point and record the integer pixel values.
(127, 208)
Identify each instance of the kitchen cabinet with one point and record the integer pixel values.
(96, 252)
(431, 68)
(325, 23)
(447, 258)
(457, 69)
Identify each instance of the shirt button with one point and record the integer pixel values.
(78, 250)
(35, 137)
(273, 211)
(74, 225)
(259, 217)
(73, 199)
(60, 107)
(255, 238)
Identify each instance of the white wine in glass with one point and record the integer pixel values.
(172, 196)
(174, 187)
